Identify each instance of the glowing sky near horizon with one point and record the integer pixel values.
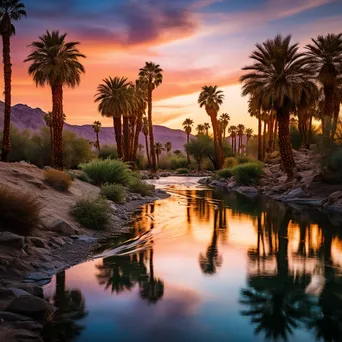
(196, 42)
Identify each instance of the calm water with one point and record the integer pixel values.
(205, 265)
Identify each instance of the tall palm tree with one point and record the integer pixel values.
(168, 146)
(145, 131)
(140, 147)
(96, 128)
(232, 130)
(249, 134)
(254, 109)
(240, 133)
(224, 119)
(10, 11)
(277, 77)
(159, 148)
(151, 73)
(200, 129)
(212, 98)
(206, 127)
(187, 125)
(55, 62)
(325, 57)
(114, 98)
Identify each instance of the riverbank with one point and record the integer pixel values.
(28, 262)
(311, 185)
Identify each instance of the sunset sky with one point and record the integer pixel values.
(196, 42)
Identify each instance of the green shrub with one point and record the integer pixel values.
(248, 174)
(230, 162)
(58, 180)
(92, 213)
(225, 173)
(107, 171)
(336, 160)
(19, 211)
(108, 152)
(182, 171)
(138, 186)
(172, 162)
(243, 160)
(114, 192)
(83, 177)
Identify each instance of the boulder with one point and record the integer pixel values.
(37, 183)
(337, 206)
(274, 168)
(274, 155)
(12, 240)
(60, 226)
(30, 306)
(295, 193)
(36, 241)
(247, 190)
(13, 317)
(334, 197)
(18, 292)
(33, 289)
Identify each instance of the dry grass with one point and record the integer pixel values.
(59, 180)
(19, 210)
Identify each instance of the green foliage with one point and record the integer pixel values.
(230, 162)
(244, 160)
(108, 152)
(114, 192)
(58, 180)
(19, 211)
(92, 213)
(35, 148)
(138, 186)
(336, 160)
(248, 174)
(172, 162)
(183, 171)
(141, 162)
(225, 173)
(83, 177)
(107, 171)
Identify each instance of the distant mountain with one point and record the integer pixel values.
(25, 117)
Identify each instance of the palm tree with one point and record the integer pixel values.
(240, 133)
(211, 98)
(168, 146)
(325, 57)
(114, 98)
(151, 74)
(10, 10)
(140, 147)
(96, 128)
(178, 153)
(277, 78)
(254, 109)
(159, 148)
(224, 119)
(187, 125)
(232, 132)
(145, 130)
(55, 62)
(206, 127)
(249, 134)
(200, 129)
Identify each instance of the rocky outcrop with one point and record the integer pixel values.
(11, 240)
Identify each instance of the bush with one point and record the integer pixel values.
(140, 187)
(248, 174)
(230, 162)
(108, 152)
(59, 180)
(172, 162)
(225, 173)
(182, 171)
(19, 211)
(83, 177)
(107, 171)
(92, 213)
(244, 160)
(336, 160)
(114, 192)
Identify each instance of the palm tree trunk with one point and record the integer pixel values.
(57, 121)
(118, 135)
(219, 161)
(335, 118)
(187, 153)
(51, 147)
(309, 134)
(328, 110)
(132, 121)
(126, 138)
(275, 135)
(158, 160)
(98, 141)
(136, 136)
(147, 151)
(270, 132)
(283, 117)
(150, 129)
(301, 125)
(259, 139)
(264, 141)
(247, 141)
(6, 142)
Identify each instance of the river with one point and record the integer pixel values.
(207, 265)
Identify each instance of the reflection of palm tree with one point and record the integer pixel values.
(211, 260)
(70, 306)
(152, 289)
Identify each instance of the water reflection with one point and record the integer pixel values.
(216, 266)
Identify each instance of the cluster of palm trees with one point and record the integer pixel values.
(126, 103)
(283, 81)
